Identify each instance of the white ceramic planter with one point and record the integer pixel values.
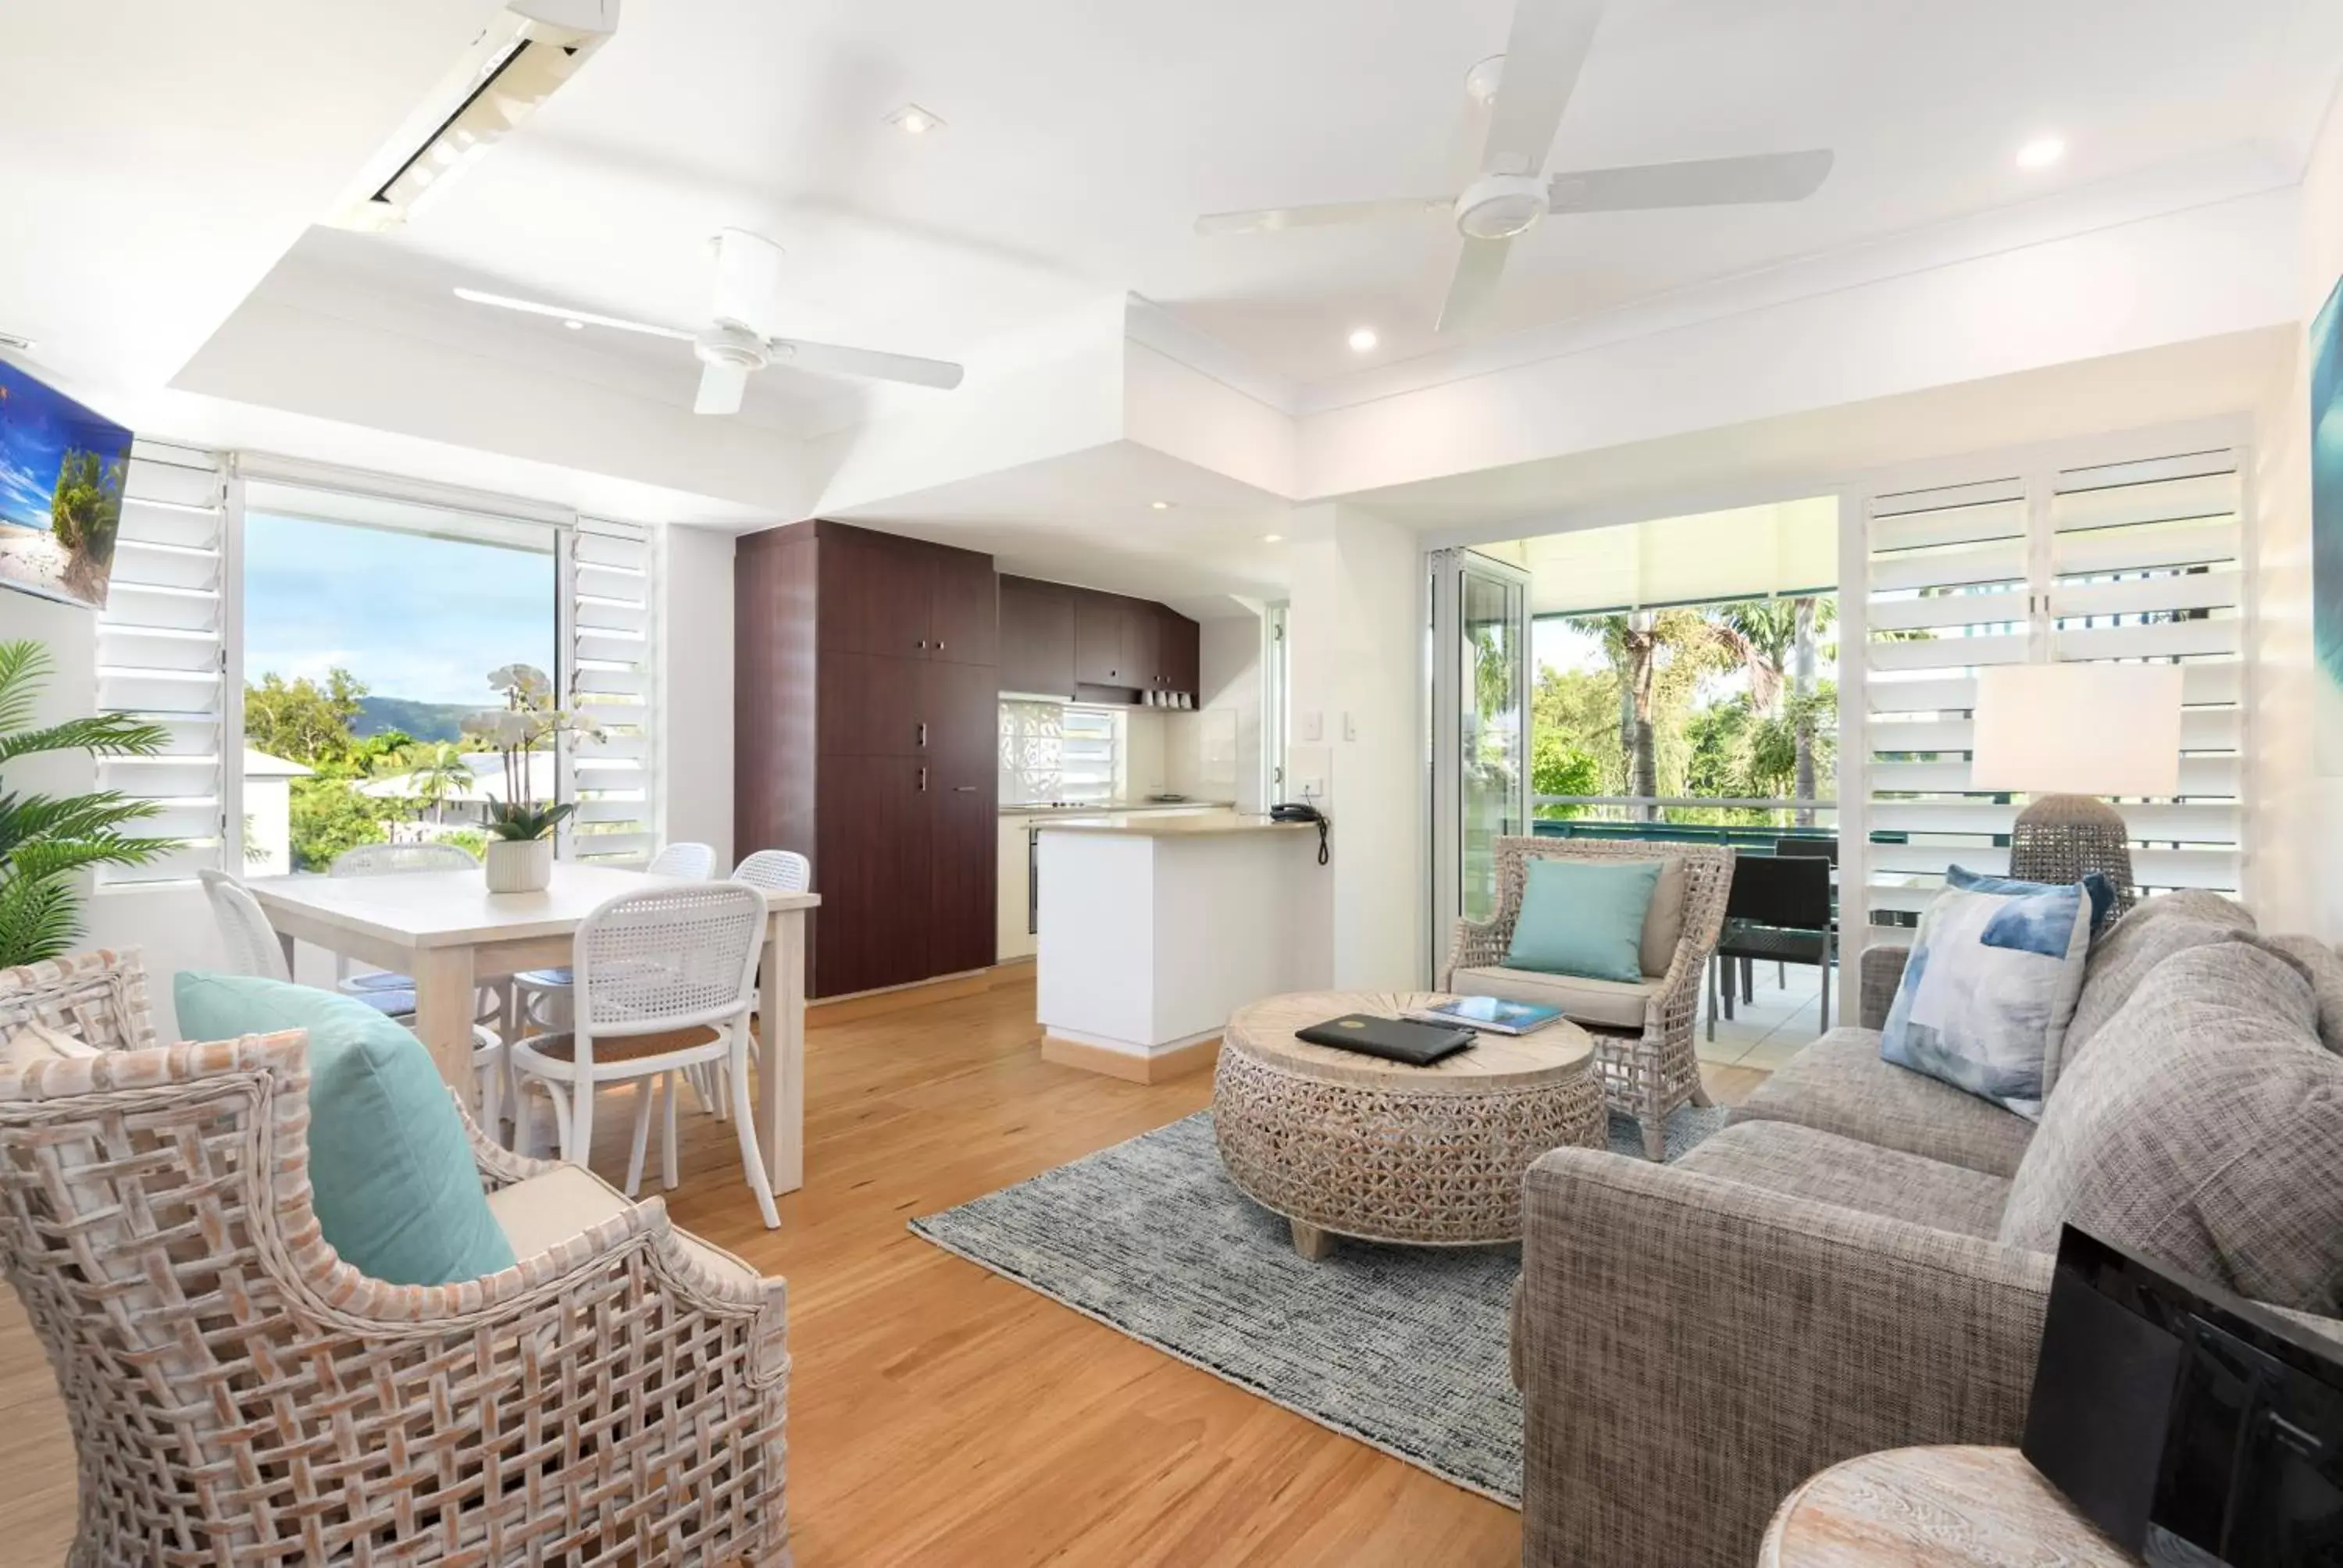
(518, 865)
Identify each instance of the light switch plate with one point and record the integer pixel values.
(1313, 728)
(1350, 727)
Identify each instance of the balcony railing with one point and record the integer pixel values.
(1742, 822)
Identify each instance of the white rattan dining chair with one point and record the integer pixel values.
(666, 981)
(389, 860)
(252, 945)
(536, 991)
(776, 872)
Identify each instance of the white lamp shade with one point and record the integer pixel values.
(2077, 730)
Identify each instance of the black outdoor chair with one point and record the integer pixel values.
(1779, 910)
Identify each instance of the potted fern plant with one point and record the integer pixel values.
(45, 840)
(519, 854)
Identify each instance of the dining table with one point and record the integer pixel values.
(446, 931)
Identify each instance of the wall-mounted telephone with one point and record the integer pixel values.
(1291, 811)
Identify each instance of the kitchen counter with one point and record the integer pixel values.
(1117, 807)
(1152, 928)
(1147, 826)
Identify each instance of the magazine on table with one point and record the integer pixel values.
(1493, 1014)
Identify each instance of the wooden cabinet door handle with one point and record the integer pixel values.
(923, 735)
(964, 788)
(940, 644)
(923, 780)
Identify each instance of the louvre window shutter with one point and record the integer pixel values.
(161, 655)
(2146, 566)
(2136, 562)
(609, 675)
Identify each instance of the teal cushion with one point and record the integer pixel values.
(1583, 918)
(390, 1168)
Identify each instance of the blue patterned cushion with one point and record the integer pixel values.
(1990, 987)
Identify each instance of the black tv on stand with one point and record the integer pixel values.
(2194, 1428)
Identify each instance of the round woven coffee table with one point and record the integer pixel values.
(1351, 1145)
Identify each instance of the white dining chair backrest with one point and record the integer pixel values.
(252, 945)
(667, 958)
(776, 872)
(692, 862)
(390, 859)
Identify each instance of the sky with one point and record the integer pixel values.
(36, 425)
(411, 617)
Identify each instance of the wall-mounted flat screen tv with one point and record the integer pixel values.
(62, 467)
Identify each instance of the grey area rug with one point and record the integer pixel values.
(1400, 1347)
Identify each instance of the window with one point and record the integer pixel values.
(2134, 560)
(1068, 752)
(161, 654)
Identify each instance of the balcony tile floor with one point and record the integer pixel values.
(1773, 1026)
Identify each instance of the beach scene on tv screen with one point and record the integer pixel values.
(62, 467)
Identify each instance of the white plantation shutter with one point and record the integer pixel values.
(608, 673)
(2135, 561)
(161, 654)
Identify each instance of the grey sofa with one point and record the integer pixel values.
(1860, 1259)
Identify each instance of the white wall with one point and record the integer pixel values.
(694, 662)
(1355, 622)
(2295, 832)
(1231, 674)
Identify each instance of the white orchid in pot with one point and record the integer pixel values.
(521, 826)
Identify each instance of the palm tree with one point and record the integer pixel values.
(436, 772)
(46, 840)
(1659, 656)
(1772, 638)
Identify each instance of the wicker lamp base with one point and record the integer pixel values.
(2061, 839)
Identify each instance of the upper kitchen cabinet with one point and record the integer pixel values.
(1056, 638)
(963, 606)
(1099, 656)
(907, 599)
(1179, 654)
(1037, 637)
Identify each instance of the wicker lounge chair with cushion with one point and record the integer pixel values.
(1643, 1031)
(239, 1394)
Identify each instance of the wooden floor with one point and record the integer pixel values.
(938, 1414)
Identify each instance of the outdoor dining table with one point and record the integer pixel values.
(447, 932)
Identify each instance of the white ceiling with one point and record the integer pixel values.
(1082, 140)
(160, 158)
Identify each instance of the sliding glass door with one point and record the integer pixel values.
(1480, 730)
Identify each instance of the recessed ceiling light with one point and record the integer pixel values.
(2041, 152)
(1362, 338)
(915, 121)
(1270, 538)
(574, 323)
(1161, 505)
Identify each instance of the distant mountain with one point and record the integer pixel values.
(423, 720)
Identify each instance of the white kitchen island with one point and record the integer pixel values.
(1155, 930)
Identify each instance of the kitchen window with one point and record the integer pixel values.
(1061, 753)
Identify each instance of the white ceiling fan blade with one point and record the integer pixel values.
(1542, 55)
(720, 386)
(1479, 264)
(1268, 220)
(563, 313)
(867, 363)
(1705, 182)
(748, 279)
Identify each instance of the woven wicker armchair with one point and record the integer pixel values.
(239, 1396)
(1647, 1073)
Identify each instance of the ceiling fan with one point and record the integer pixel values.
(1528, 87)
(738, 341)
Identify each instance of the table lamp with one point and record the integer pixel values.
(2065, 734)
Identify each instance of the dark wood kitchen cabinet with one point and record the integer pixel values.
(867, 705)
(1037, 637)
(1058, 638)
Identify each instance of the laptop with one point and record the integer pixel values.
(1391, 1038)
